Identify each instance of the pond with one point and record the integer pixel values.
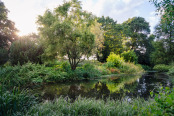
(113, 87)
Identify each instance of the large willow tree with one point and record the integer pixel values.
(66, 32)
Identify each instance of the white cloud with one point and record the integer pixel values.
(153, 19)
(119, 10)
(24, 12)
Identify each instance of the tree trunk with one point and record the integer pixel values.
(73, 67)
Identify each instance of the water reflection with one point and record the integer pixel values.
(122, 87)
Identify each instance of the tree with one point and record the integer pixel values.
(164, 31)
(7, 28)
(66, 32)
(26, 49)
(99, 38)
(137, 30)
(166, 8)
(7, 33)
(112, 37)
(159, 55)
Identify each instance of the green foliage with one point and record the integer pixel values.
(171, 71)
(103, 70)
(115, 59)
(66, 32)
(130, 56)
(131, 68)
(30, 74)
(110, 64)
(159, 56)
(24, 50)
(164, 32)
(35, 74)
(146, 67)
(64, 67)
(161, 105)
(8, 30)
(136, 30)
(3, 56)
(164, 103)
(16, 102)
(90, 71)
(89, 107)
(162, 68)
(113, 38)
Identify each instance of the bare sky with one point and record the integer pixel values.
(24, 12)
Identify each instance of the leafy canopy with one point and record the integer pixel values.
(7, 28)
(66, 32)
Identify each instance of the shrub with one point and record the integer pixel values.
(89, 71)
(115, 59)
(171, 71)
(114, 70)
(162, 68)
(30, 74)
(146, 67)
(131, 68)
(109, 65)
(15, 102)
(130, 56)
(164, 103)
(103, 70)
(64, 67)
(3, 56)
(25, 50)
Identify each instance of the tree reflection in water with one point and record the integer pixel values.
(123, 87)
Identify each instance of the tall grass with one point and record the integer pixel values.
(88, 107)
(161, 105)
(15, 102)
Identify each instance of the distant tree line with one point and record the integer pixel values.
(70, 31)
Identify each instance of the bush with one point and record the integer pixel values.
(15, 102)
(109, 65)
(64, 67)
(162, 68)
(146, 67)
(30, 74)
(3, 56)
(130, 56)
(89, 71)
(103, 70)
(25, 50)
(115, 59)
(131, 68)
(164, 103)
(171, 71)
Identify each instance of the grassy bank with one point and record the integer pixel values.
(18, 103)
(162, 104)
(30, 75)
(83, 106)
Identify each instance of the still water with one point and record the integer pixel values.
(114, 87)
